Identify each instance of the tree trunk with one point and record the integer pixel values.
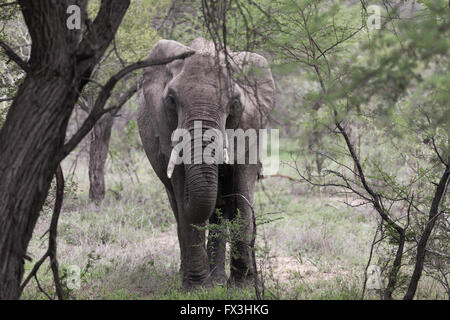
(422, 245)
(32, 138)
(99, 146)
(29, 141)
(396, 265)
(98, 152)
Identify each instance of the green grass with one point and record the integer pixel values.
(309, 246)
(215, 293)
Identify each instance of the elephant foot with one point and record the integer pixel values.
(241, 282)
(194, 282)
(242, 275)
(218, 277)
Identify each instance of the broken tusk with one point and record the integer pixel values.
(172, 163)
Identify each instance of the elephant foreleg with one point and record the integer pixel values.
(194, 259)
(216, 247)
(242, 250)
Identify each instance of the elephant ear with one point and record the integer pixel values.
(156, 77)
(253, 80)
(154, 125)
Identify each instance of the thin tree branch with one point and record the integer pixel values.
(8, 4)
(280, 176)
(51, 251)
(54, 231)
(98, 109)
(123, 99)
(421, 246)
(15, 57)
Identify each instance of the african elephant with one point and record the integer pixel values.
(223, 95)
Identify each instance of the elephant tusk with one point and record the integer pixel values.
(172, 163)
(226, 158)
(226, 140)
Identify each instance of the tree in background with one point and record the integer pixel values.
(132, 42)
(143, 25)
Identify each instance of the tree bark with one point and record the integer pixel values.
(34, 131)
(396, 265)
(422, 245)
(98, 152)
(99, 146)
(29, 140)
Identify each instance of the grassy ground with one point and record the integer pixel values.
(315, 247)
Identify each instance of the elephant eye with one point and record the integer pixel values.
(170, 99)
(235, 103)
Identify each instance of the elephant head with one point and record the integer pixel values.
(221, 93)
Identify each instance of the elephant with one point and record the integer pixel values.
(224, 91)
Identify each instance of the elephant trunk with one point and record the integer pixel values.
(201, 182)
(200, 191)
(200, 195)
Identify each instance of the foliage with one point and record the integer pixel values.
(373, 104)
(387, 89)
(14, 32)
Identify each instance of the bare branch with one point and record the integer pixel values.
(280, 176)
(8, 4)
(15, 57)
(98, 109)
(6, 99)
(54, 231)
(437, 152)
(51, 251)
(421, 246)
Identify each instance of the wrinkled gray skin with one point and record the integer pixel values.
(198, 88)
